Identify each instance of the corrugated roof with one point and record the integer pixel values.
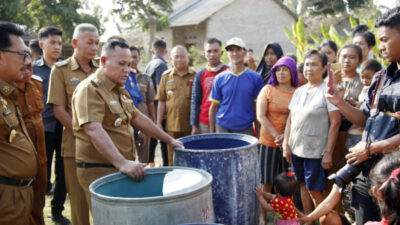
(196, 12)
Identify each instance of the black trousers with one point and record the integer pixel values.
(363, 203)
(53, 146)
(164, 151)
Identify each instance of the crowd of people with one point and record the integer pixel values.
(336, 113)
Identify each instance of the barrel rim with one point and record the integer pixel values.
(115, 176)
(253, 141)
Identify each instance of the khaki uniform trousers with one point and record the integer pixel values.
(79, 206)
(175, 135)
(15, 204)
(39, 195)
(87, 175)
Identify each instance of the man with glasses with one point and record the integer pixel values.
(18, 160)
(30, 103)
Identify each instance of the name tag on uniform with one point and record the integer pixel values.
(170, 81)
(113, 102)
(74, 81)
(6, 112)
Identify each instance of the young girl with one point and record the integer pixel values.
(385, 181)
(285, 185)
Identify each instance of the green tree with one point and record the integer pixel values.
(148, 15)
(35, 14)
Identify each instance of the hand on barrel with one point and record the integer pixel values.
(176, 144)
(134, 170)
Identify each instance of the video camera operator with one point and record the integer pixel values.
(381, 133)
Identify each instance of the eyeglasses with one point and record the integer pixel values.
(25, 54)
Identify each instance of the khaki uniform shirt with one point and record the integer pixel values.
(31, 104)
(99, 99)
(146, 88)
(64, 78)
(176, 91)
(18, 158)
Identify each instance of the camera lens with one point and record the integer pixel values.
(343, 176)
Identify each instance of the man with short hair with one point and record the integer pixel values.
(155, 68)
(103, 116)
(50, 41)
(31, 104)
(234, 94)
(382, 132)
(202, 86)
(35, 48)
(18, 159)
(174, 94)
(64, 78)
(146, 106)
(250, 62)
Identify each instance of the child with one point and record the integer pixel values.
(368, 69)
(385, 181)
(285, 185)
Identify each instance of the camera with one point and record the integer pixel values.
(389, 103)
(348, 172)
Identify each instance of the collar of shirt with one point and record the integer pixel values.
(75, 64)
(6, 88)
(105, 80)
(188, 71)
(159, 57)
(237, 74)
(392, 70)
(215, 69)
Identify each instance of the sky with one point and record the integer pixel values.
(111, 29)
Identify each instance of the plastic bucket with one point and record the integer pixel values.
(232, 160)
(168, 195)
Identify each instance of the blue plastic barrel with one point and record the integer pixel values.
(232, 160)
(167, 196)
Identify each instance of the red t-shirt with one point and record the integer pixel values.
(284, 208)
(207, 79)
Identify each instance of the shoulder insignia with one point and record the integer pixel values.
(61, 63)
(167, 71)
(96, 82)
(192, 70)
(36, 77)
(96, 62)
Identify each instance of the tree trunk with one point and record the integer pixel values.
(152, 31)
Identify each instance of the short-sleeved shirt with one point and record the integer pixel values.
(18, 158)
(31, 104)
(41, 69)
(99, 99)
(277, 112)
(146, 88)
(309, 121)
(382, 126)
(353, 88)
(176, 92)
(284, 208)
(202, 86)
(236, 95)
(132, 87)
(64, 77)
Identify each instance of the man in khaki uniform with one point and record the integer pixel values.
(18, 157)
(30, 102)
(103, 116)
(64, 78)
(146, 107)
(174, 95)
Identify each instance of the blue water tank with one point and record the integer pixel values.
(232, 160)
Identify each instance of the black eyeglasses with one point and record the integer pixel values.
(24, 54)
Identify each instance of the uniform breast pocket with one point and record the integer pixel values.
(116, 117)
(171, 89)
(6, 122)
